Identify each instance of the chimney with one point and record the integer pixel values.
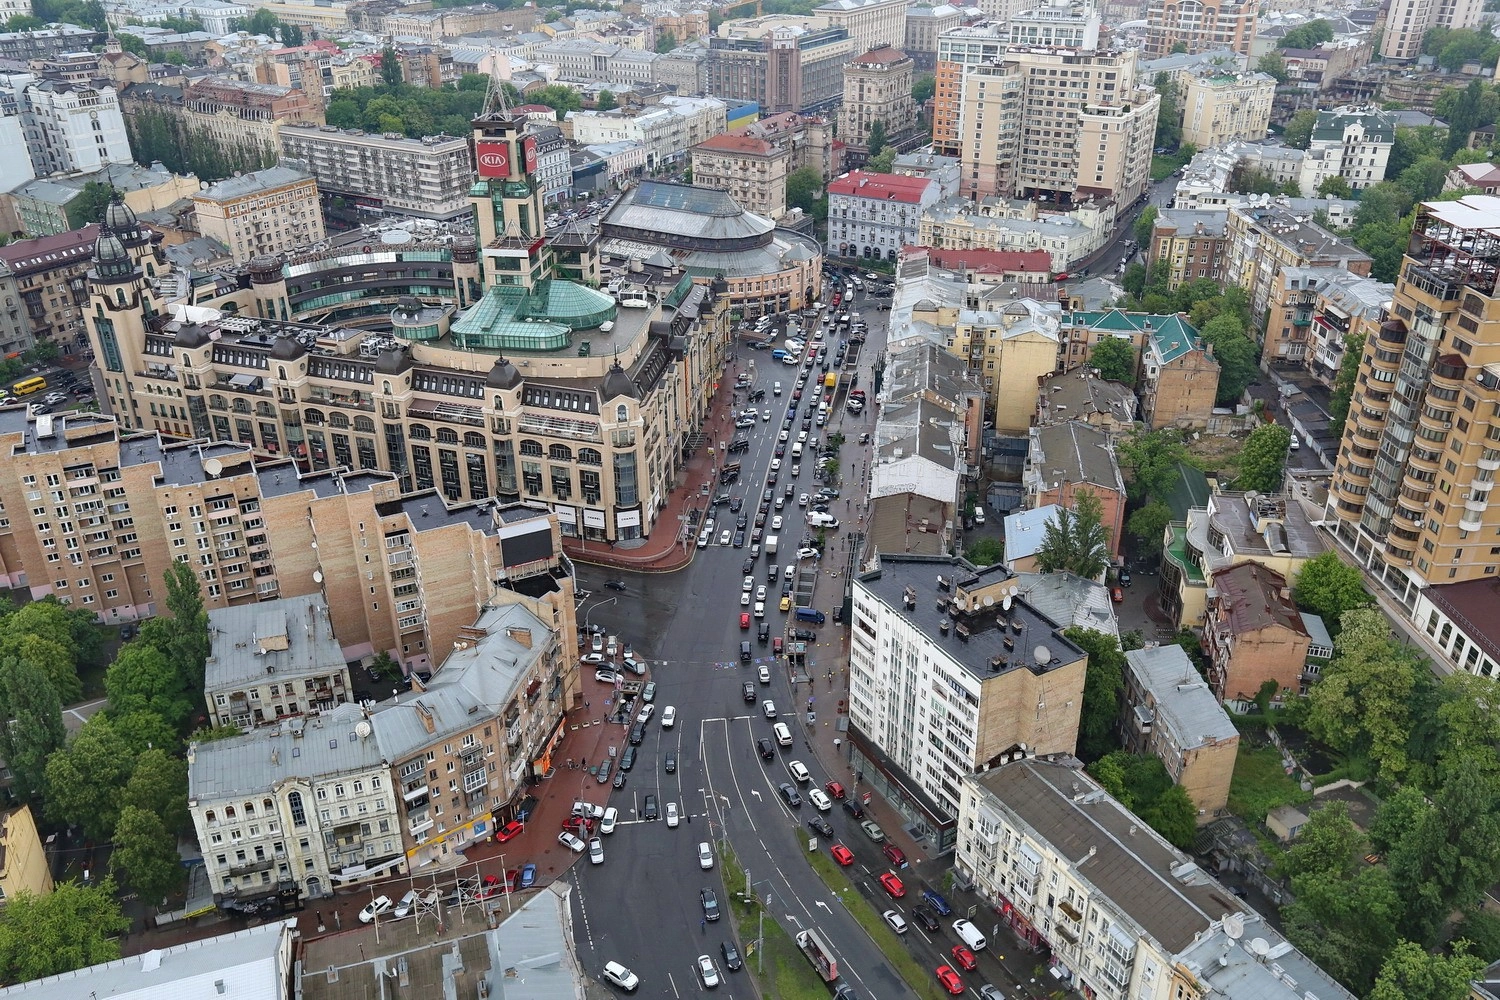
(428, 722)
(521, 635)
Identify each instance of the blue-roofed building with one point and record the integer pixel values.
(1024, 531)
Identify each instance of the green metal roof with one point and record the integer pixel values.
(510, 317)
(1172, 335)
(1190, 491)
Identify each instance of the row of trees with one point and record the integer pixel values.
(263, 22)
(1221, 315)
(158, 134)
(121, 779)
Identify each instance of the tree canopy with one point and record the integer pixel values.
(1307, 36)
(1149, 460)
(87, 778)
(1076, 540)
(1263, 459)
(1298, 131)
(72, 927)
(1235, 354)
(1104, 679)
(804, 190)
(1327, 586)
(1141, 783)
(1115, 359)
(1148, 525)
(28, 698)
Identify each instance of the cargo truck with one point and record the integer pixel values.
(771, 541)
(819, 954)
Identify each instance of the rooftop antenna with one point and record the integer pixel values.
(496, 100)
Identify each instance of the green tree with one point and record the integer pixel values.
(1263, 459)
(1464, 117)
(1273, 65)
(390, 68)
(1480, 929)
(1174, 816)
(1327, 586)
(1115, 359)
(147, 855)
(1149, 524)
(1076, 540)
(86, 779)
(1411, 973)
(143, 730)
(882, 162)
(159, 785)
(72, 927)
(876, 142)
(1298, 131)
(606, 101)
(985, 552)
(1168, 115)
(1335, 186)
(804, 190)
(1307, 36)
(1329, 844)
(1235, 354)
(89, 205)
(560, 98)
(1343, 384)
(1345, 925)
(1424, 179)
(1103, 680)
(23, 22)
(923, 88)
(1134, 279)
(143, 678)
(186, 641)
(1144, 225)
(29, 701)
(1362, 702)
(1150, 459)
(666, 42)
(292, 36)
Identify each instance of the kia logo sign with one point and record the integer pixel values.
(493, 158)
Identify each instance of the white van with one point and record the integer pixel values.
(969, 934)
(978, 513)
(783, 734)
(799, 771)
(797, 450)
(776, 389)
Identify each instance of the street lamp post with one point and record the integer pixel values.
(589, 613)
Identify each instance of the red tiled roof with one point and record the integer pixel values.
(883, 56)
(47, 252)
(992, 261)
(728, 142)
(882, 187)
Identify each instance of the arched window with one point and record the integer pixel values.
(385, 387)
(294, 803)
(364, 425)
(337, 419)
(210, 817)
(622, 412)
(447, 435)
(560, 453)
(473, 439)
(229, 813)
(281, 371)
(419, 432)
(590, 456)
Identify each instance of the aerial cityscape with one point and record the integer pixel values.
(984, 501)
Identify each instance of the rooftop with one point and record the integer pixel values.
(252, 183)
(733, 142)
(44, 253)
(1472, 606)
(1081, 394)
(992, 261)
(1255, 598)
(1187, 221)
(882, 187)
(1070, 600)
(1025, 529)
(1183, 701)
(1260, 525)
(1073, 452)
(883, 55)
(924, 591)
(290, 639)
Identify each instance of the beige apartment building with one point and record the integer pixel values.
(958, 49)
(870, 23)
(426, 178)
(269, 211)
(49, 279)
(1059, 124)
(1199, 25)
(1407, 21)
(1252, 634)
(1192, 242)
(753, 171)
(1217, 109)
(877, 88)
(1262, 240)
(1171, 713)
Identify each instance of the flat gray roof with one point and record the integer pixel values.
(287, 639)
(317, 746)
(1184, 702)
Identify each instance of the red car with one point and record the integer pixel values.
(950, 980)
(579, 826)
(509, 831)
(745, 621)
(835, 789)
(895, 855)
(1117, 595)
(492, 887)
(892, 885)
(842, 855)
(965, 958)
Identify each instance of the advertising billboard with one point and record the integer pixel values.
(493, 159)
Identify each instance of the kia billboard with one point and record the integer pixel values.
(528, 153)
(493, 159)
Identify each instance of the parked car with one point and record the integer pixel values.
(377, 907)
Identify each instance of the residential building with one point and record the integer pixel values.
(1179, 376)
(266, 212)
(751, 171)
(1230, 529)
(1253, 634)
(958, 49)
(1118, 911)
(682, 25)
(809, 139)
(23, 46)
(1459, 618)
(15, 331)
(554, 165)
(1025, 530)
(1346, 306)
(994, 673)
(24, 865)
(924, 25)
(869, 23)
(273, 660)
(1358, 140)
(927, 436)
(624, 161)
(783, 62)
(872, 216)
(1083, 395)
(48, 206)
(49, 274)
(1068, 459)
(1329, 66)
(1082, 329)
(1169, 712)
(1191, 242)
(1408, 21)
(1092, 139)
(426, 178)
(1020, 225)
(1017, 341)
(69, 127)
(1200, 27)
(14, 170)
(943, 170)
(987, 267)
(243, 120)
(1483, 176)
(667, 129)
(291, 814)
(1220, 107)
(1263, 239)
(877, 88)
(1411, 486)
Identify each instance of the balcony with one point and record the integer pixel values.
(1489, 463)
(1397, 556)
(355, 400)
(1470, 521)
(414, 792)
(1476, 505)
(418, 825)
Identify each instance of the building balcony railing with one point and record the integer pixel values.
(1470, 521)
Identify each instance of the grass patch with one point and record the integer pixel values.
(1260, 785)
(1162, 166)
(781, 970)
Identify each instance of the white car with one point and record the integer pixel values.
(598, 643)
(604, 676)
(819, 799)
(53, 398)
(765, 674)
(647, 711)
(596, 851)
(776, 522)
(803, 500)
(775, 465)
(725, 536)
(708, 972)
(896, 920)
(760, 609)
(760, 592)
(808, 553)
(377, 907)
(745, 599)
(587, 810)
(594, 658)
(668, 717)
(611, 817)
(784, 434)
(621, 976)
(765, 415)
(769, 708)
(571, 842)
(673, 816)
(748, 584)
(705, 856)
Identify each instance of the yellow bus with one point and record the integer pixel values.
(26, 387)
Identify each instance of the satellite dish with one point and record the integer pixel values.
(1259, 947)
(362, 729)
(1234, 926)
(213, 467)
(1005, 603)
(1043, 655)
(988, 601)
(317, 576)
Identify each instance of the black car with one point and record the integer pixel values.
(768, 495)
(742, 522)
(748, 689)
(924, 916)
(739, 539)
(781, 451)
(821, 825)
(670, 763)
(709, 902)
(648, 808)
(747, 567)
(735, 503)
(637, 734)
(738, 445)
(804, 635)
(767, 750)
(720, 499)
(615, 585)
(627, 759)
(732, 960)
(763, 633)
(791, 795)
(853, 808)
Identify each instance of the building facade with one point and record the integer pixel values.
(935, 695)
(1070, 458)
(1408, 21)
(780, 63)
(869, 23)
(273, 660)
(1169, 712)
(266, 212)
(1199, 26)
(872, 216)
(667, 129)
(72, 126)
(425, 178)
(1219, 108)
(1193, 243)
(958, 49)
(1265, 239)
(49, 273)
(1179, 376)
(751, 171)
(877, 88)
(1356, 141)
(924, 24)
(1253, 634)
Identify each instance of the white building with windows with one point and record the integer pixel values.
(1121, 912)
(69, 127)
(872, 216)
(1355, 142)
(667, 129)
(296, 811)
